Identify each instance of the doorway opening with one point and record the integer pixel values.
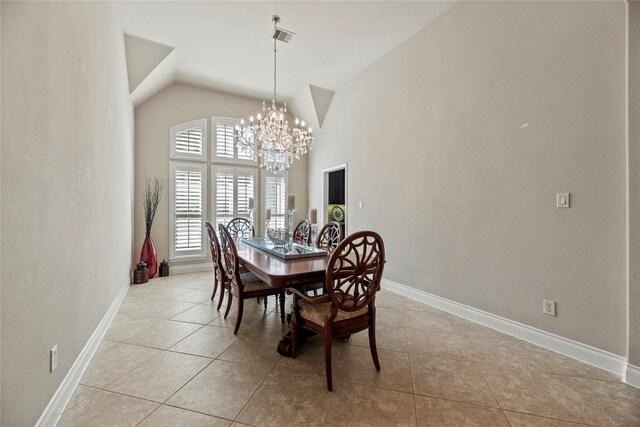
(334, 206)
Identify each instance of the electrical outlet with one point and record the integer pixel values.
(549, 307)
(562, 200)
(53, 358)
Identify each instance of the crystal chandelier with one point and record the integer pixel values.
(269, 136)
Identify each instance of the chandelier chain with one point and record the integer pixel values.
(269, 138)
(275, 64)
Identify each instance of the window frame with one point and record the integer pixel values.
(173, 131)
(214, 144)
(193, 167)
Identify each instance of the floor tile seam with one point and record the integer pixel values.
(188, 381)
(578, 423)
(124, 394)
(351, 343)
(144, 296)
(379, 348)
(544, 365)
(122, 375)
(66, 408)
(192, 323)
(148, 415)
(441, 357)
(196, 412)
(458, 400)
(256, 390)
(493, 394)
(104, 388)
(583, 377)
(429, 328)
(413, 388)
(376, 387)
(577, 398)
(146, 346)
(328, 411)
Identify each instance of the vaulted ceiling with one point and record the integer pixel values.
(227, 45)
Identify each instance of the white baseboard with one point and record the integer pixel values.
(54, 409)
(582, 352)
(632, 375)
(190, 268)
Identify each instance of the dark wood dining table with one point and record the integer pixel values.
(282, 273)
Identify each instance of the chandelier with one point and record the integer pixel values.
(269, 136)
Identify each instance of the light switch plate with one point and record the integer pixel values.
(562, 200)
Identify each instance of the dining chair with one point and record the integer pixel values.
(242, 286)
(241, 227)
(353, 277)
(330, 236)
(219, 276)
(302, 233)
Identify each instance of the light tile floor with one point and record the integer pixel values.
(170, 359)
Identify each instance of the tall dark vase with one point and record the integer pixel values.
(148, 255)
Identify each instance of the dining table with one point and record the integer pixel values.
(301, 266)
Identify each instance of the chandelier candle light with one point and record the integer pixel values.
(268, 136)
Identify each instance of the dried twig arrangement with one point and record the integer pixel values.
(152, 194)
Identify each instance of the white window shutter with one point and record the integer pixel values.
(224, 144)
(187, 215)
(189, 140)
(275, 197)
(225, 149)
(232, 189)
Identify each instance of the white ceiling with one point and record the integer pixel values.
(227, 45)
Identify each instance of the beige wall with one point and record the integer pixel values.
(178, 104)
(457, 143)
(634, 182)
(67, 173)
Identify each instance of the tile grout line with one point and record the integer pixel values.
(257, 388)
(473, 358)
(577, 398)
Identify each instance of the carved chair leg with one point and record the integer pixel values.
(372, 346)
(226, 313)
(239, 315)
(327, 359)
(222, 289)
(215, 286)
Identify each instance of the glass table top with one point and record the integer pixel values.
(288, 251)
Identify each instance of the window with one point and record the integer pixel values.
(232, 188)
(187, 214)
(225, 149)
(274, 191)
(189, 140)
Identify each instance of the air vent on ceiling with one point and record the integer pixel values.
(282, 35)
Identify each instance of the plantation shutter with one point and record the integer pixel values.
(187, 199)
(232, 189)
(275, 197)
(223, 198)
(189, 140)
(224, 146)
(245, 189)
(225, 149)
